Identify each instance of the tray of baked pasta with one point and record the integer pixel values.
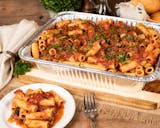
(96, 51)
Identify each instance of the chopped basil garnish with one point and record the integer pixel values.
(96, 37)
(107, 39)
(90, 45)
(112, 29)
(85, 50)
(74, 49)
(123, 57)
(110, 57)
(129, 37)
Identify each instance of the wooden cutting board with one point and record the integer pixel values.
(12, 11)
(140, 99)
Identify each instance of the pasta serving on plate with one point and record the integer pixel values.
(36, 108)
(106, 45)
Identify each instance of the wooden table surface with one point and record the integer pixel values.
(107, 116)
(12, 11)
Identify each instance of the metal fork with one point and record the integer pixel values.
(90, 109)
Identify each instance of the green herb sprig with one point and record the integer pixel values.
(62, 5)
(21, 67)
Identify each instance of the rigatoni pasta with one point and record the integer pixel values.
(36, 108)
(35, 50)
(104, 45)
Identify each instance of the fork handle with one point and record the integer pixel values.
(92, 124)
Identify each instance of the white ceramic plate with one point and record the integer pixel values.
(69, 106)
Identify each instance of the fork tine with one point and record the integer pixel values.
(86, 104)
(90, 103)
(93, 103)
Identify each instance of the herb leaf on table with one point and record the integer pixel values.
(21, 67)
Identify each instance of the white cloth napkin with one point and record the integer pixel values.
(128, 10)
(12, 37)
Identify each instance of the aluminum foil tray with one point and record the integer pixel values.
(81, 73)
